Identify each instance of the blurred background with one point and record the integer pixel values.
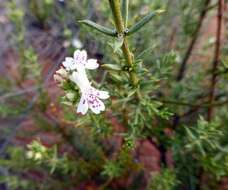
(37, 35)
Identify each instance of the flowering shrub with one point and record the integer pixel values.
(154, 114)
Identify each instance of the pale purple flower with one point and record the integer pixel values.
(75, 70)
(80, 61)
(90, 97)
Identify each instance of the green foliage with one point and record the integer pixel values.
(8, 108)
(123, 163)
(204, 138)
(48, 157)
(30, 67)
(17, 159)
(112, 169)
(41, 9)
(14, 182)
(16, 15)
(203, 148)
(165, 180)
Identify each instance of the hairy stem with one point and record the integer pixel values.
(119, 23)
(125, 4)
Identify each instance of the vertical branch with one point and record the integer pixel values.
(216, 59)
(119, 23)
(188, 53)
(125, 4)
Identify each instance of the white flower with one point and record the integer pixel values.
(80, 61)
(80, 78)
(75, 70)
(90, 98)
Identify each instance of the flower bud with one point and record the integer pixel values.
(70, 96)
(29, 154)
(62, 72)
(38, 156)
(58, 78)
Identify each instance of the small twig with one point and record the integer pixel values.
(216, 59)
(196, 107)
(23, 91)
(200, 105)
(27, 109)
(188, 53)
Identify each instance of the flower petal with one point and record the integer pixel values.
(103, 94)
(68, 63)
(97, 106)
(80, 78)
(82, 106)
(91, 64)
(80, 57)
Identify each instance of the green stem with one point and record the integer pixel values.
(125, 4)
(119, 23)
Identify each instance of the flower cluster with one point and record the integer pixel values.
(74, 69)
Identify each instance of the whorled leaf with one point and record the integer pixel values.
(142, 22)
(112, 67)
(102, 29)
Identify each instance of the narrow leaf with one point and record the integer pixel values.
(112, 67)
(131, 92)
(102, 29)
(143, 22)
(115, 77)
(190, 134)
